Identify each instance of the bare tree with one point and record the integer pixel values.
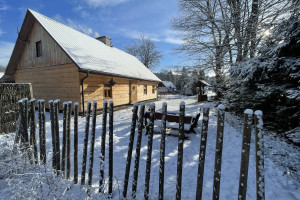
(217, 32)
(145, 50)
(206, 31)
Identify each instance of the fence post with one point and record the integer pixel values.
(180, 150)
(56, 127)
(51, 110)
(130, 147)
(86, 139)
(162, 152)
(22, 122)
(102, 155)
(259, 152)
(138, 150)
(75, 142)
(149, 151)
(202, 152)
(33, 130)
(68, 139)
(218, 154)
(19, 124)
(25, 129)
(64, 142)
(94, 115)
(42, 131)
(110, 149)
(245, 154)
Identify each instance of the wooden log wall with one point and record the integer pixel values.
(94, 89)
(51, 53)
(9, 96)
(52, 82)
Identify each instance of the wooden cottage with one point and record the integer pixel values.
(63, 63)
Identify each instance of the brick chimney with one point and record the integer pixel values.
(106, 40)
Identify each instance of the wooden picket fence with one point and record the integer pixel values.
(61, 161)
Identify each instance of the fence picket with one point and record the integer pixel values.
(57, 143)
(33, 130)
(202, 152)
(138, 150)
(180, 150)
(51, 110)
(86, 139)
(75, 142)
(245, 154)
(102, 155)
(64, 142)
(218, 154)
(22, 122)
(149, 151)
(91, 162)
(162, 152)
(42, 131)
(130, 147)
(110, 148)
(68, 139)
(259, 152)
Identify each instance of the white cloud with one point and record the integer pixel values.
(6, 49)
(166, 36)
(1, 32)
(3, 7)
(173, 40)
(103, 3)
(58, 18)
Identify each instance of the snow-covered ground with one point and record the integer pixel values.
(282, 169)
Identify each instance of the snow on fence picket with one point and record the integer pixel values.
(63, 165)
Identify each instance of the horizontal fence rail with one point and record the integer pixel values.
(26, 136)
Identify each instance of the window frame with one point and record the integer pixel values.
(153, 89)
(107, 89)
(38, 48)
(145, 90)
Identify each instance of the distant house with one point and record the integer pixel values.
(62, 63)
(166, 87)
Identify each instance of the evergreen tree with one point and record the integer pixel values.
(270, 82)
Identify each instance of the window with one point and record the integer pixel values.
(153, 89)
(38, 46)
(145, 89)
(107, 91)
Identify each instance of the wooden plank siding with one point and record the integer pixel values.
(52, 82)
(94, 85)
(52, 54)
(140, 93)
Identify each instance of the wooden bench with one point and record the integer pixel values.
(190, 122)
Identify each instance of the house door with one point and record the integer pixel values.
(133, 93)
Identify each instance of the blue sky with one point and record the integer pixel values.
(122, 20)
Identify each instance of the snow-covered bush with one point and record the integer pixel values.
(271, 81)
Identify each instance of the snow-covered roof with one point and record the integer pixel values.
(169, 84)
(90, 54)
(1, 74)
